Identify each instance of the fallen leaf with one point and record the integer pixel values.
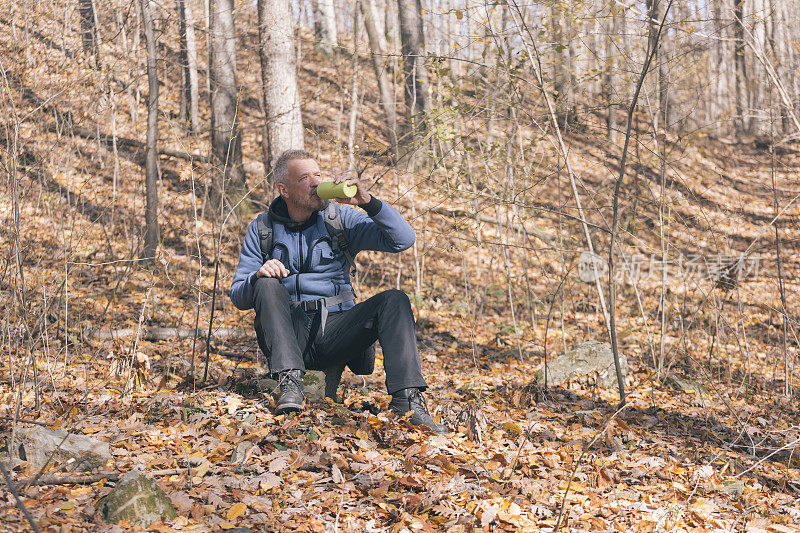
(236, 511)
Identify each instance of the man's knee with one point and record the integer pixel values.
(396, 299)
(267, 286)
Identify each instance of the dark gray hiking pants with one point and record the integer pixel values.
(283, 335)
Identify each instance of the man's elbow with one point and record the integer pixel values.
(406, 242)
(239, 302)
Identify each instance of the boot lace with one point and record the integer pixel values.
(415, 398)
(290, 381)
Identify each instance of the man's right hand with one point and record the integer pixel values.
(272, 269)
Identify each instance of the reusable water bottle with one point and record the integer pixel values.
(328, 190)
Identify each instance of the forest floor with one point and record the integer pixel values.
(718, 454)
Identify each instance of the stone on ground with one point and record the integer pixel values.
(589, 357)
(314, 385)
(137, 499)
(37, 444)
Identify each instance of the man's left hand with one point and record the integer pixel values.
(361, 197)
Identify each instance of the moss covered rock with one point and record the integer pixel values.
(138, 499)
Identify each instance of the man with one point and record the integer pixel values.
(306, 317)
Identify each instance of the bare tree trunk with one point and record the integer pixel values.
(325, 26)
(779, 50)
(226, 144)
(415, 74)
(741, 66)
(391, 23)
(384, 88)
(654, 12)
(151, 152)
(279, 77)
(562, 67)
(189, 78)
(353, 123)
(89, 31)
(607, 89)
(718, 69)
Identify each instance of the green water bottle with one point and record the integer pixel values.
(328, 190)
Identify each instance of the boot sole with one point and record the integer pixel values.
(288, 407)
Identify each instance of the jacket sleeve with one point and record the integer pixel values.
(385, 231)
(241, 292)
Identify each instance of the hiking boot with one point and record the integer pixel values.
(290, 383)
(406, 400)
(333, 375)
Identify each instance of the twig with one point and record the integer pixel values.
(21, 505)
(535, 59)
(139, 145)
(612, 288)
(94, 478)
(160, 334)
(490, 220)
(25, 421)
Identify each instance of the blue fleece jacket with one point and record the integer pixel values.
(315, 271)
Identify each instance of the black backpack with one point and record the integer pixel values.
(364, 364)
(333, 223)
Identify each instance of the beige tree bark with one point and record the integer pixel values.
(279, 77)
(188, 52)
(609, 67)
(739, 59)
(377, 52)
(325, 29)
(562, 64)
(354, 85)
(226, 143)
(665, 109)
(719, 69)
(415, 74)
(151, 237)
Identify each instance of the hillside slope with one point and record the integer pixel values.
(495, 282)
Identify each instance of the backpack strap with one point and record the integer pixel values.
(264, 235)
(339, 240)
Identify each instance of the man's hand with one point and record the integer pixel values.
(272, 269)
(361, 197)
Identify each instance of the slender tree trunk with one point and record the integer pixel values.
(654, 10)
(226, 143)
(325, 26)
(279, 77)
(391, 25)
(778, 47)
(188, 45)
(89, 31)
(607, 88)
(353, 122)
(378, 66)
(415, 74)
(719, 69)
(562, 68)
(151, 152)
(741, 66)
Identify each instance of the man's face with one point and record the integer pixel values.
(300, 189)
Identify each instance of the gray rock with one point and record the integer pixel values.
(137, 499)
(314, 385)
(591, 356)
(240, 452)
(734, 489)
(82, 452)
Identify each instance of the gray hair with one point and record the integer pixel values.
(280, 170)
